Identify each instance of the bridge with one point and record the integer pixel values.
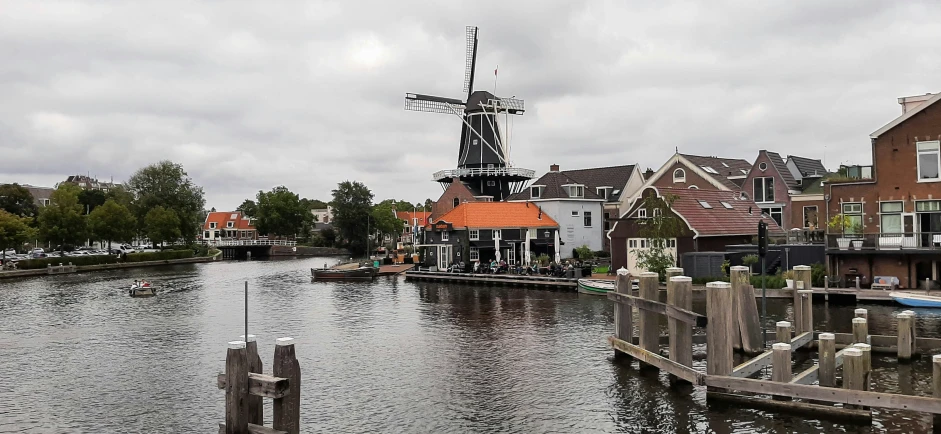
(245, 249)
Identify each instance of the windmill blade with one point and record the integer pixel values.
(513, 106)
(470, 59)
(433, 104)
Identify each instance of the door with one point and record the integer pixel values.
(444, 257)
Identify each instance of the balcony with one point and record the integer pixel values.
(909, 242)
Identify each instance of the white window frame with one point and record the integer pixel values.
(935, 148)
(535, 192)
(681, 177)
(229, 225)
(694, 187)
(883, 215)
(642, 213)
(474, 254)
(212, 225)
(496, 233)
(657, 212)
(574, 213)
(764, 188)
(473, 234)
(772, 210)
(586, 219)
(804, 215)
(445, 236)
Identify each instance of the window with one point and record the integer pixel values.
(632, 244)
(764, 189)
(533, 234)
(854, 213)
(705, 204)
(890, 217)
(775, 214)
(45, 202)
(928, 205)
(656, 212)
(744, 172)
(726, 205)
(810, 216)
(671, 243)
(474, 142)
(496, 234)
(212, 225)
(574, 213)
(456, 202)
(206, 234)
(679, 175)
(724, 165)
(230, 224)
(576, 191)
(445, 236)
(762, 166)
(709, 170)
(607, 224)
(473, 234)
(587, 219)
(474, 254)
(693, 187)
(603, 192)
(491, 183)
(547, 234)
(642, 213)
(535, 192)
(929, 161)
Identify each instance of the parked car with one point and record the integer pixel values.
(37, 253)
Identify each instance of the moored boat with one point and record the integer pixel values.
(916, 300)
(142, 289)
(595, 286)
(359, 273)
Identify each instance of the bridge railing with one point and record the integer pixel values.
(288, 243)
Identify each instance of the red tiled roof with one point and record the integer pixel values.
(718, 220)
(422, 216)
(221, 219)
(498, 215)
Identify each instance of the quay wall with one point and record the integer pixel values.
(306, 251)
(102, 267)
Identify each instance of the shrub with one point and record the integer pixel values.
(818, 273)
(32, 264)
(159, 256)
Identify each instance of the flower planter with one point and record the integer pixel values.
(790, 283)
(843, 243)
(857, 244)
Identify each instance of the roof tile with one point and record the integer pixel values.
(498, 215)
(741, 219)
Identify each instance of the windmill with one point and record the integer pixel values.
(483, 162)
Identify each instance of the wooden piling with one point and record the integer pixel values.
(287, 414)
(936, 385)
(236, 388)
(905, 337)
(719, 328)
(913, 333)
(806, 297)
(739, 276)
(866, 349)
(623, 320)
(783, 332)
(781, 364)
(680, 294)
(748, 322)
(861, 313)
(860, 331)
(256, 413)
(801, 274)
(648, 327)
(826, 346)
(853, 375)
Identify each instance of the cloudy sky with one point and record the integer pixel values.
(252, 95)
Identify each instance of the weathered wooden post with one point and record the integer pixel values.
(853, 375)
(781, 365)
(648, 326)
(623, 320)
(860, 331)
(672, 272)
(807, 311)
(719, 328)
(905, 337)
(866, 349)
(747, 318)
(936, 385)
(861, 313)
(680, 294)
(914, 333)
(801, 279)
(236, 388)
(738, 276)
(826, 346)
(783, 332)
(256, 413)
(287, 410)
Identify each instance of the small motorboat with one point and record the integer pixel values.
(595, 286)
(364, 272)
(916, 300)
(142, 289)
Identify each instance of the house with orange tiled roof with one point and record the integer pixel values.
(515, 232)
(228, 226)
(414, 221)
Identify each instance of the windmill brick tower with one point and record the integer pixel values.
(483, 162)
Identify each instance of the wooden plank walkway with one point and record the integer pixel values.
(493, 279)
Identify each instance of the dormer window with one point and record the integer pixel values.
(230, 224)
(604, 192)
(535, 192)
(679, 175)
(212, 225)
(575, 190)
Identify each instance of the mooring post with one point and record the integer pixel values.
(860, 331)
(287, 410)
(680, 294)
(853, 375)
(936, 385)
(649, 327)
(781, 365)
(861, 313)
(802, 275)
(623, 319)
(866, 349)
(718, 328)
(783, 332)
(739, 276)
(905, 337)
(236, 388)
(914, 335)
(826, 346)
(807, 311)
(256, 414)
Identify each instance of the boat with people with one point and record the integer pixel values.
(142, 288)
(362, 272)
(916, 300)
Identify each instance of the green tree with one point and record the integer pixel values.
(17, 200)
(329, 237)
(162, 225)
(91, 199)
(314, 203)
(281, 213)
(429, 204)
(112, 222)
(352, 205)
(62, 221)
(248, 208)
(14, 231)
(661, 226)
(384, 221)
(167, 185)
(121, 195)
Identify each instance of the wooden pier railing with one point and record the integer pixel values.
(732, 324)
(245, 386)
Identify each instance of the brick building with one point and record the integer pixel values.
(894, 218)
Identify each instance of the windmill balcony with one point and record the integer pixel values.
(484, 171)
(923, 242)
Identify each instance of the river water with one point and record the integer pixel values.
(78, 355)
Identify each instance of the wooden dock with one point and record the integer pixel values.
(494, 279)
(731, 319)
(394, 269)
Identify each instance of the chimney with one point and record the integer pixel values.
(553, 167)
(648, 173)
(910, 103)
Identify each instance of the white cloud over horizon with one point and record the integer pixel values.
(251, 95)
